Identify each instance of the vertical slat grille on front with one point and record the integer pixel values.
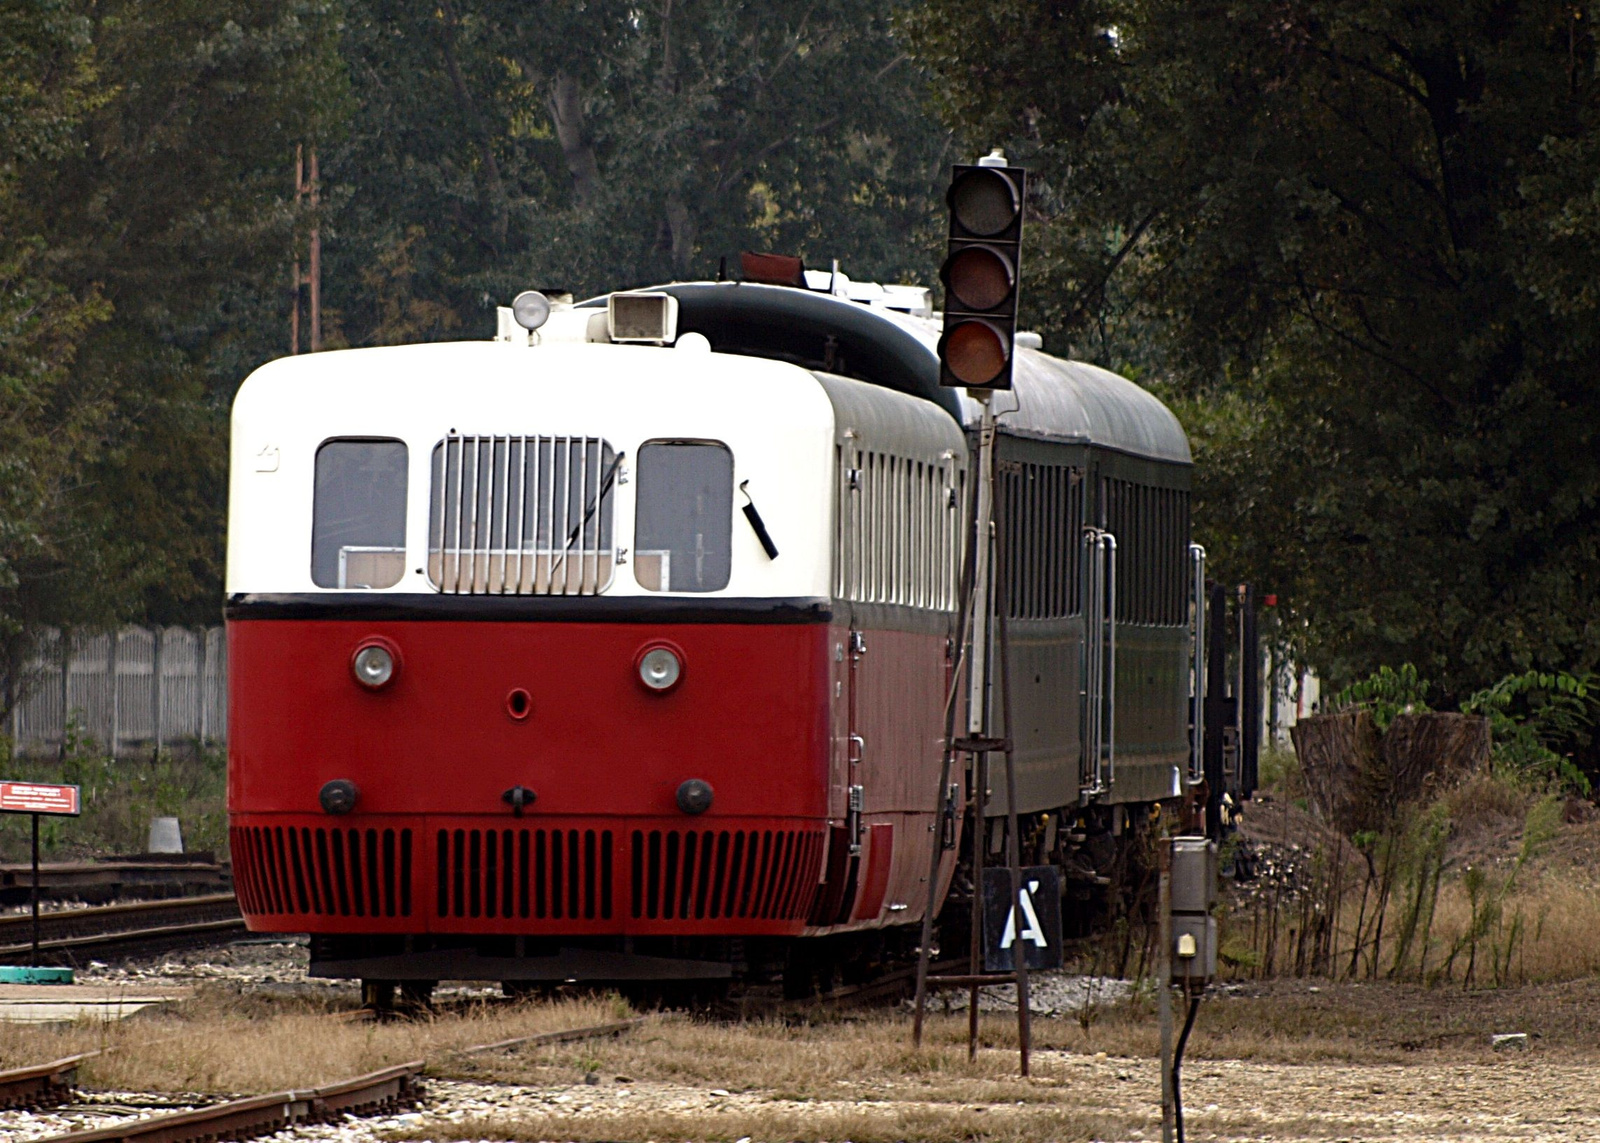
(767, 875)
(521, 515)
(323, 872)
(515, 873)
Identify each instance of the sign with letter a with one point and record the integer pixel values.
(1034, 918)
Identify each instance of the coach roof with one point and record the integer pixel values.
(1053, 399)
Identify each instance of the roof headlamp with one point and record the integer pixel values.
(531, 309)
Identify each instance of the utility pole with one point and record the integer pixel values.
(307, 190)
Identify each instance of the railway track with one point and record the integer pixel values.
(116, 878)
(372, 1094)
(68, 934)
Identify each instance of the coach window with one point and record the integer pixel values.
(683, 529)
(358, 517)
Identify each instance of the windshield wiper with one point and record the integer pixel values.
(588, 512)
(757, 524)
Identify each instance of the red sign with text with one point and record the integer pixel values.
(37, 798)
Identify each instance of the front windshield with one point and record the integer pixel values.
(683, 533)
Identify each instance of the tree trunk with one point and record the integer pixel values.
(572, 130)
(681, 230)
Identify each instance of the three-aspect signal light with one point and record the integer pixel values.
(980, 274)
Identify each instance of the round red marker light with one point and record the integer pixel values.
(979, 278)
(975, 352)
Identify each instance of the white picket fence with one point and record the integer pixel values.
(136, 690)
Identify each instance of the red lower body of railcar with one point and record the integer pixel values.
(432, 847)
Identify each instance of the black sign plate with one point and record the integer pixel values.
(1037, 923)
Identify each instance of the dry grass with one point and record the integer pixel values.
(868, 1058)
(1491, 883)
(222, 1043)
(1559, 919)
(857, 1078)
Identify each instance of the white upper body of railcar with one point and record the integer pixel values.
(566, 468)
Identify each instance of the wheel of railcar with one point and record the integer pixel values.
(416, 994)
(377, 995)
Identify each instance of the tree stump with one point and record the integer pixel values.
(1419, 750)
(1337, 752)
(1357, 779)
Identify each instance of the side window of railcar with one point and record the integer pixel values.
(683, 528)
(1043, 515)
(358, 515)
(898, 533)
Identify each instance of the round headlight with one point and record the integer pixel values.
(660, 669)
(373, 666)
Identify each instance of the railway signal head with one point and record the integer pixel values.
(980, 274)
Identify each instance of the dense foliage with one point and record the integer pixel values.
(1355, 241)
(468, 149)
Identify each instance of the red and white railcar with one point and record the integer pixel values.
(588, 660)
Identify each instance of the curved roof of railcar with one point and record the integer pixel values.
(1054, 399)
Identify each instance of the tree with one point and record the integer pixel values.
(590, 145)
(49, 425)
(144, 224)
(1354, 241)
(170, 203)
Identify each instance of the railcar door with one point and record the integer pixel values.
(836, 898)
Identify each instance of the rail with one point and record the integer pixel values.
(41, 1085)
(266, 1114)
(568, 1036)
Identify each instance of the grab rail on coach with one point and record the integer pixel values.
(1099, 664)
(1197, 757)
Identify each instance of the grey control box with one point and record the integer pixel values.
(1193, 894)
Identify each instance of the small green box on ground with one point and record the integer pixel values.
(22, 974)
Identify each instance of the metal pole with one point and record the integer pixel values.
(35, 818)
(978, 692)
(1164, 983)
(980, 844)
(1019, 956)
(1197, 762)
(978, 675)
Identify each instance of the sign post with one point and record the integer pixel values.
(34, 798)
